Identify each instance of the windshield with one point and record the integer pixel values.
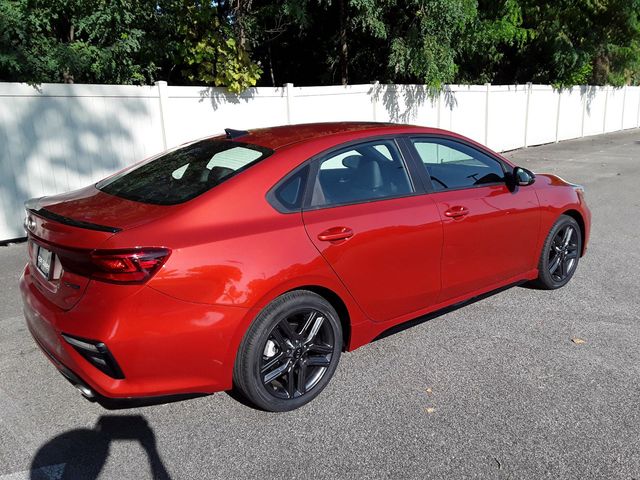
(184, 173)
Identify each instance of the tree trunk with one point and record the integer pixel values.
(344, 51)
(240, 9)
(66, 75)
(273, 77)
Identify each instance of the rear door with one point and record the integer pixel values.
(490, 230)
(381, 237)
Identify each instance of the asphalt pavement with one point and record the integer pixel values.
(502, 388)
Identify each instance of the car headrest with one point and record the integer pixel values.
(352, 161)
(368, 174)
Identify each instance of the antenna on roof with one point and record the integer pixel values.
(231, 133)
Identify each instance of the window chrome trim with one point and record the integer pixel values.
(312, 162)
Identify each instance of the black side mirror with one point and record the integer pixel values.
(523, 177)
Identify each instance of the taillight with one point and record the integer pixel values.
(135, 265)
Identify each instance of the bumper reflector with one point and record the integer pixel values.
(96, 353)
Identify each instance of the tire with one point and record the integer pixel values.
(560, 254)
(289, 353)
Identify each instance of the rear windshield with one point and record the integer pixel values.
(184, 173)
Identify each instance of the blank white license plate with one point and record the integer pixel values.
(44, 261)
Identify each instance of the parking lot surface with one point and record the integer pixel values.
(502, 388)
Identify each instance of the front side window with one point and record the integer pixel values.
(368, 171)
(184, 173)
(452, 165)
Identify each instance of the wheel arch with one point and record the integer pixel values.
(337, 303)
(577, 216)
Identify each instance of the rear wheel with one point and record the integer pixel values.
(290, 352)
(560, 254)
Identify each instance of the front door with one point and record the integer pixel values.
(490, 231)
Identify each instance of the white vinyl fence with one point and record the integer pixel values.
(55, 138)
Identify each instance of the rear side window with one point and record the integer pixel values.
(364, 172)
(453, 165)
(288, 195)
(184, 173)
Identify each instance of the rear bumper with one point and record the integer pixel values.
(163, 346)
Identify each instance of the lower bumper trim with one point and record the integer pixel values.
(111, 403)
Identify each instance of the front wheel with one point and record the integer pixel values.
(560, 254)
(289, 352)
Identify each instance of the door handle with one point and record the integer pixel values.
(457, 211)
(335, 233)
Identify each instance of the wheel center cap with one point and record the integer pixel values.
(297, 353)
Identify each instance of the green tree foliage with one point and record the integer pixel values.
(121, 41)
(74, 40)
(582, 41)
(561, 42)
(423, 44)
(241, 43)
(488, 42)
(335, 41)
(206, 49)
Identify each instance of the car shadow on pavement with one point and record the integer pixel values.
(82, 453)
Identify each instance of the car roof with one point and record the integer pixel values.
(278, 137)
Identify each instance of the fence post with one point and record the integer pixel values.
(163, 98)
(375, 86)
(558, 115)
(606, 100)
(486, 114)
(624, 102)
(584, 109)
(526, 115)
(289, 91)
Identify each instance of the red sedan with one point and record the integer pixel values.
(252, 260)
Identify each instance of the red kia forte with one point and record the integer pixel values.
(252, 260)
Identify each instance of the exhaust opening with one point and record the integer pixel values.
(85, 391)
(78, 384)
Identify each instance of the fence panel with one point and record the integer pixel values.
(570, 119)
(613, 119)
(467, 105)
(195, 112)
(507, 116)
(63, 137)
(56, 138)
(333, 103)
(631, 108)
(594, 110)
(543, 110)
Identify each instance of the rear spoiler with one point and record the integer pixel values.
(44, 213)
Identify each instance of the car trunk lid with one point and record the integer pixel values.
(63, 226)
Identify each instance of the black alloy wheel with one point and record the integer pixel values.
(297, 354)
(560, 254)
(563, 253)
(290, 352)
